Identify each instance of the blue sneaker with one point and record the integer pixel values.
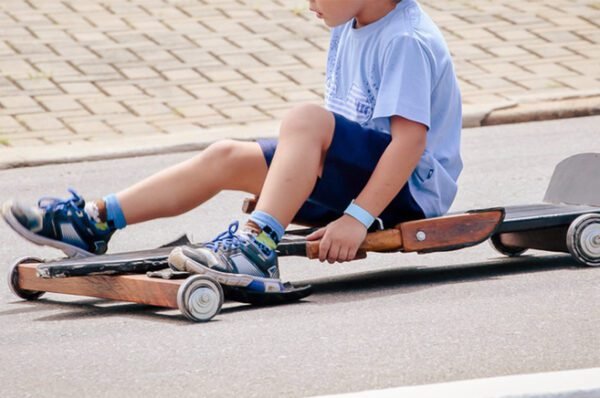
(246, 259)
(62, 224)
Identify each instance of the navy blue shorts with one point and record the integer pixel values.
(349, 163)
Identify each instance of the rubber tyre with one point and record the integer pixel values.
(505, 250)
(13, 279)
(200, 298)
(583, 239)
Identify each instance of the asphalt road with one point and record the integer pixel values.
(390, 320)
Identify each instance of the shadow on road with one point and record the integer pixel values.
(408, 280)
(345, 288)
(92, 308)
(101, 308)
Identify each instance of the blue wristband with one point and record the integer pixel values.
(360, 214)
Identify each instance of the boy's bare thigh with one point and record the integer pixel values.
(245, 165)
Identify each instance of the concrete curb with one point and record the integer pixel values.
(584, 383)
(532, 108)
(545, 110)
(126, 147)
(523, 110)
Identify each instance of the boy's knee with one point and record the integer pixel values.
(308, 119)
(222, 150)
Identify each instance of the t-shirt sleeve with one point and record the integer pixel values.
(406, 80)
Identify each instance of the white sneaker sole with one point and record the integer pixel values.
(15, 225)
(183, 263)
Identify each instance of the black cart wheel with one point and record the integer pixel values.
(13, 279)
(583, 239)
(506, 250)
(200, 298)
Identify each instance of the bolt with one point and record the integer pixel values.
(205, 298)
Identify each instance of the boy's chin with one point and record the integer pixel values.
(333, 24)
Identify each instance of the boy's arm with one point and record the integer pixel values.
(395, 166)
(340, 239)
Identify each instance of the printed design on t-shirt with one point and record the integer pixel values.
(330, 86)
(357, 105)
(332, 54)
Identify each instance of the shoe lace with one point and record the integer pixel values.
(48, 203)
(228, 240)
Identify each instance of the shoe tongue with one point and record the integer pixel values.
(80, 203)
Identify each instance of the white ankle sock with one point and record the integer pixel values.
(92, 211)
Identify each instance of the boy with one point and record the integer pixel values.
(386, 145)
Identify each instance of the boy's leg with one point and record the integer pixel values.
(305, 136)
(77, 229)
(225, 165)
(321, 156)
(306, 133)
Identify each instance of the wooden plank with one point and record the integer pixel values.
(450, 232)
(380, 241)
(131, 288)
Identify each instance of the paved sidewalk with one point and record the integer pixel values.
(173, 71)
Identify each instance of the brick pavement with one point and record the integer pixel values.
(92, 71)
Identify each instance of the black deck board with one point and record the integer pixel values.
(537, 216)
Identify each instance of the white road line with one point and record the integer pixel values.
(582, 383)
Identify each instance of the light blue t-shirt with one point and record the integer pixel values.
(400, 65)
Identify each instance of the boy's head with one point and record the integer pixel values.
(337, 12)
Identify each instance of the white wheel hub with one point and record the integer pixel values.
(590, 240)
(202, 302)
(200, 298)
(583, 239)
